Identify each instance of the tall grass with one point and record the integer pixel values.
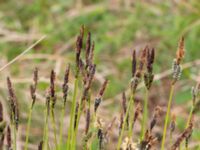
(96, 132)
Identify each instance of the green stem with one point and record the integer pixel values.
(15, 137)
(131, 117)
(72, 113)
(54, 127)
(145, 115)
(28, 127)
(167, 117)
(61, 124)
(46, 130)
(124, 124)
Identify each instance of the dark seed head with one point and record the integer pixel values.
(14, 110)
(133, 63)
(65, 84)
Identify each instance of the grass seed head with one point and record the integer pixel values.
(180, 51)
(134, 63)
(52, 88)
(14, 110)
(65, 86)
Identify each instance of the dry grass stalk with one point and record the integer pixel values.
(33, 87)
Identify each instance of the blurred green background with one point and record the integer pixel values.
(117, 27)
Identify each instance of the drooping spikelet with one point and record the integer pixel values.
(33, 87)
(156, 115)
(65, 86)
(98, 99)
(14, 110)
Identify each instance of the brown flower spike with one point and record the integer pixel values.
(14, 110)
(65, 86)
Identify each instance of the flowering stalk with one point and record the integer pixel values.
(65, 94)
(148, 79)
(33, 96)
(176, 76)
(14, 111)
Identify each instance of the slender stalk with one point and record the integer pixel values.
(54, 127)
(78, 119)
(145, 114)
(124, 124)
(190, 116)
(167, 117)
(61, 124)
(170, 138)
(72, 113)
(28, 127)
(189, 119)
(15, 136)
(76, 128)
(46, 130)
(131, 117)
